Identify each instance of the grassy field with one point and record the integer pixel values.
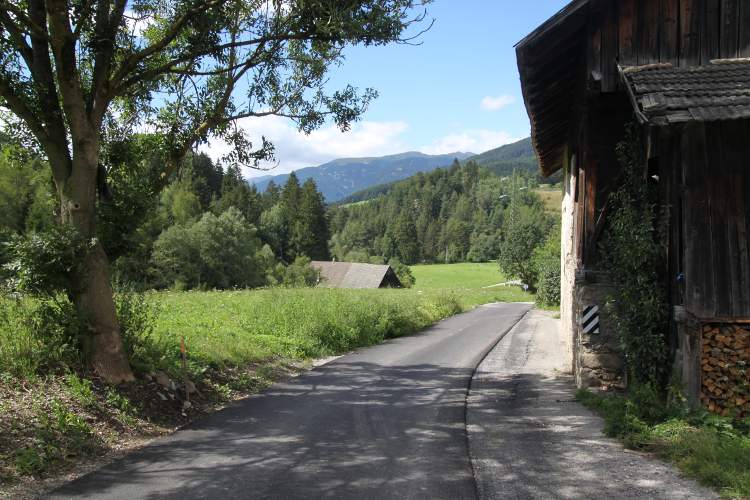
(465, 276)
(233, 328)
(551, 197)
(249, 326)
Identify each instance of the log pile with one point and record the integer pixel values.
(725, 364)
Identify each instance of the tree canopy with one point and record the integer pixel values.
(76, 75)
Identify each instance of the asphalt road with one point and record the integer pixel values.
(384, 422)
(530, 440)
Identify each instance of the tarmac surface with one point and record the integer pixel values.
(529, 439)
(388, 421)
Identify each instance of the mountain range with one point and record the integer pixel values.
(340, 179)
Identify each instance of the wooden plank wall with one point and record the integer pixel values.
(680, 32)
(715, 164)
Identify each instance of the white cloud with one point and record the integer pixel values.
(490, 103)
(473, 141)
(296, 150)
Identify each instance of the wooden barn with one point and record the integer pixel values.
(680, 71)
(355, 275)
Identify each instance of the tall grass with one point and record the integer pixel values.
(234, 328)
(37, 335)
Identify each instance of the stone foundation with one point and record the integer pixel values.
(596, 357)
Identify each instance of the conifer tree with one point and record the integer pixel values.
(312, 225)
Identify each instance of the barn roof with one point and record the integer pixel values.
(662, 94)
(355, 275)
(549, 63)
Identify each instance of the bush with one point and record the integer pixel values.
(403, 272)
(546, 261)
(38, 335)
(632, 256)
(298, 274)
(138, 319)
(41, 262)
(215, 252)
(713, 449)
(525, 230)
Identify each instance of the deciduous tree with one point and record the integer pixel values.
(76, 72)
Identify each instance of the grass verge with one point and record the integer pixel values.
(711, 449)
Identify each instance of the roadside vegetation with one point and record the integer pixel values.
(714, 450)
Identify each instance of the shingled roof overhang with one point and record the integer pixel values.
(549, 63)
(662, 94)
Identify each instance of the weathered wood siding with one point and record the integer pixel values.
(715, 227)
(680, 32)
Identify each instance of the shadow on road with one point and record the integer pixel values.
(346, 430)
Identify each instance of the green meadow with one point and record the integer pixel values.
(235, 328)
(464, 276)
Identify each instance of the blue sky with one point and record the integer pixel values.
(458, 90)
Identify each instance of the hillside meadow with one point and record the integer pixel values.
(237, 343)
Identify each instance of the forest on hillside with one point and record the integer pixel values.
(456, 214)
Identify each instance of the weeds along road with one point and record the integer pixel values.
(384, 422)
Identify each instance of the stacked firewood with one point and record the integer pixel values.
(725, 364)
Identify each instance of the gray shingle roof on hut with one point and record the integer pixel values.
(663, 94)
(355, 275)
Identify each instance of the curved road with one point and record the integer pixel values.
(384, 422)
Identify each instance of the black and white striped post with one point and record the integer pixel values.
(590, 319)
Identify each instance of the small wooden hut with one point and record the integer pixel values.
(680, 70)
(356, 275)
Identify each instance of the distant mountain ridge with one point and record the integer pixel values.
(340, 178)
(518, 156)
(505, 159)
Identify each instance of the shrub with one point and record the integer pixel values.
(525, 230)
(138, 317)
(403, 272)
(38, 335)
(215, 252)
(546, 261)
(298, 274)
(41, 262)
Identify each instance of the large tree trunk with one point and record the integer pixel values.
(91, 286)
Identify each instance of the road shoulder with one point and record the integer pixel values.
(529, 438)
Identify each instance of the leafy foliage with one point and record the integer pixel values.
(525, 229)
(41, 262)
(405, 276)
(38, 335)
(632, 256)
(298, 274)
(715, 450)
(214, 252)
(547, 263)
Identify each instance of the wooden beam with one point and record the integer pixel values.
(730, 28)
(690, 26)
(669, 42)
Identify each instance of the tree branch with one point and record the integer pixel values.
(16, 35)
(35, 28)
(106, 31)
(172, 32)
(63, 47)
